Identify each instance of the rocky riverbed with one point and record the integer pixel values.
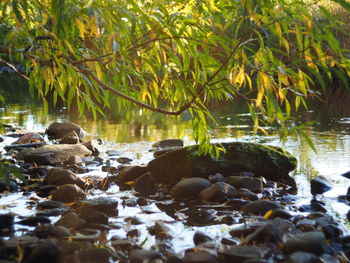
(81, 201)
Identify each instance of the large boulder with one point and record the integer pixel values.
(273, 163)
(57, 130)
(55, 154)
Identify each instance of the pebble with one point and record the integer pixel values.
(239, 254)
(320, 185)
(47, 251)
(312, 242)
(71, 220)
(145, 185)
(200, 256)
(260, 207)
(143, 255)
(251, 183)
(67, 193)
(200, 237)
(190, 187)
(217, 193)
(130, 173)
(95, 255)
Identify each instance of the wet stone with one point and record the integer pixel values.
(130, 173)
(169, 143)
(107, 205)
(215, 178)
(245, 194)
(93, 216)
(74, 160)
(52, 212)
(145, 184)
(306, 225)
(124, 160)
(134, 233)
(271, 232)
(47, 251)
(67, 193)
(200, 237)
(237, 204)
(71, 221)
(59, 232)
(280, 213)
(59, 176)
(190, 187)
(302, 257)
(199, 257)
(94, 255)
(260, 207)
(94, 147)
(217, 193)
(312, 242)
(320, 184)
(246, 229)
(34, 220)
(58, 130)
(239, 254)
(251, 183)
(6, 221)
(46, 190)
(160, 230)
(143, 255)
(70, 138)
(123, 244)
(50, 205)
(12, 187)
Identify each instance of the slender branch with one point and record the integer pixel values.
(15, 69)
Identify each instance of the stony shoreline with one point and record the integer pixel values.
(73, 211)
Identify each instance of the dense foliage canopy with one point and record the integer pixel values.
(177, 56)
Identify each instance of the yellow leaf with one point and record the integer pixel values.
(259, 97)
(268, 214)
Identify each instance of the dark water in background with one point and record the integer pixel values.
(133, 132)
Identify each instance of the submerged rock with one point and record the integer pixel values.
(130, 173)
(260, 207)
(55, 154)
(190, 187)
(94, 147)
(47, 251)
(145, 184)
(107, 205)
(58, 130)
(270, 162)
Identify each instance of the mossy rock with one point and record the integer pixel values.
(273, 163)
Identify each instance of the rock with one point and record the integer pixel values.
(237, 204)
(256, 260)
(273, 163)
(217, 193)
(55, 154)
(245, 194)
(59, 176)
(190, 187)
(107, 205)
(4, 186)
(279, 213)
(239, 254)
(143, 255)
(302, 257)
(200, 256)
(70, 138)
(94, 255)
(312, 242)
(94, 147)
(134, 233)
(145, 185)
(160, 231)
(215, 178)
(24, 242)
(6, 222)
(130, 173)
(60, 232)
(123, 244)
(331, 231)
(260, 207)
(58, 130)
(169, 143)
(34, 220)
(271, 232)
(199, 237)
(46, 190)
(320, 184)
(71, 220)
(29, 138)
(67, 193)
(49, 205)
(47, 251)
(93, 216)
(74, 160)
(251, 183)
(246, 229)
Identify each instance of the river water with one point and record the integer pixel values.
(132, 133)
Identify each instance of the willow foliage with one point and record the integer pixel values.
(175, 56)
